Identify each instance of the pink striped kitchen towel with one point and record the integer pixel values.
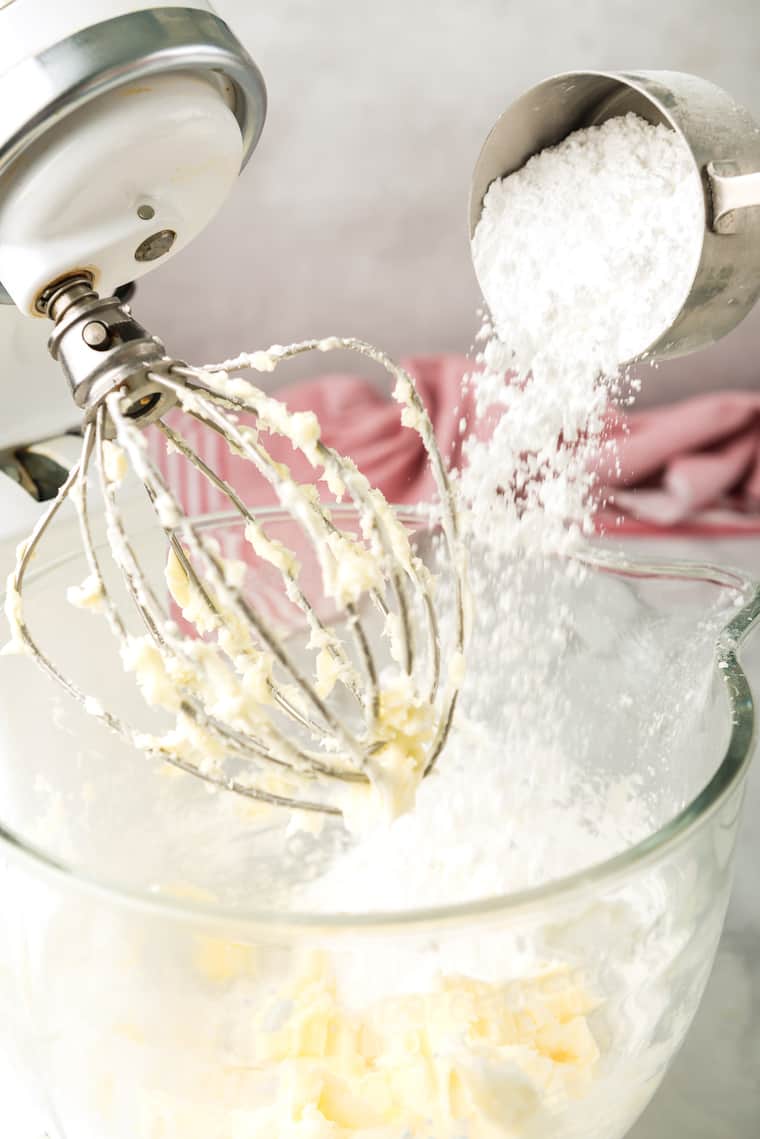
(691, 466)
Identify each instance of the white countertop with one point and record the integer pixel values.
(713, 1088)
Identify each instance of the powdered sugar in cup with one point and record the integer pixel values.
(656, 150)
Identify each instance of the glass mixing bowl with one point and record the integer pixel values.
(157, 986)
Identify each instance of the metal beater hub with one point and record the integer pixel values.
(102, 348)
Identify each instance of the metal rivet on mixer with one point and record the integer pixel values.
(96, 335)
(156, 245)
(145, 212)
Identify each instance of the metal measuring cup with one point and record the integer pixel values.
(724, 142)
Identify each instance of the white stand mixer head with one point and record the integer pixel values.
(119, 142)
(118, 185)
(123, 128)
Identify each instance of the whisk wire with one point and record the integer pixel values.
(237, 608)
(347, 675)
(316, 518)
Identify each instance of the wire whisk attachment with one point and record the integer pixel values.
(344, 707)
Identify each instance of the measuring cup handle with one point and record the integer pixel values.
(731, 191)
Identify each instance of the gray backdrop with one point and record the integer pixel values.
(351, 216)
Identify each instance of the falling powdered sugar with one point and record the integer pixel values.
(585, 257)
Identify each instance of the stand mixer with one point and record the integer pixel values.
(85, 87)
(119, 140)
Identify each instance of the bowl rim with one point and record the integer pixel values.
(726, 778)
